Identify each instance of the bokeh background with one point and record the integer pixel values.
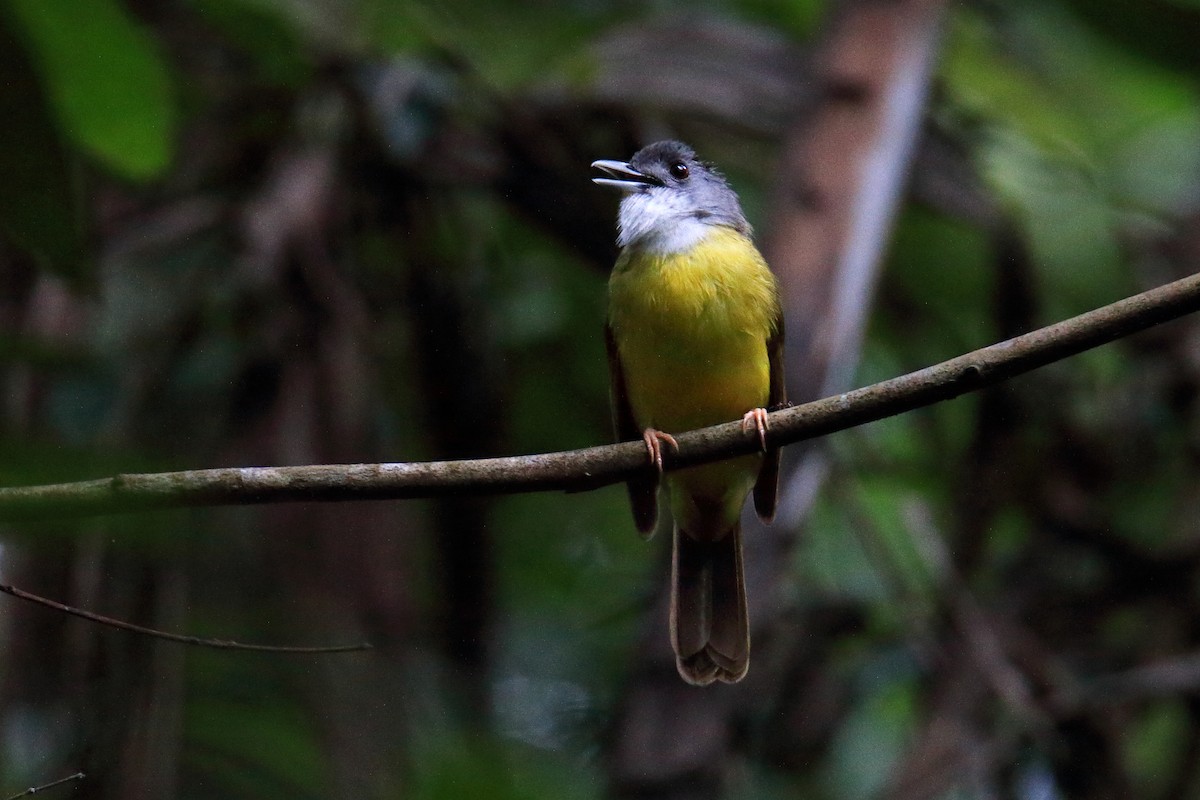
(245, 232)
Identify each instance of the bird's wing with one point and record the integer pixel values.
(766, 488)
(643, 491)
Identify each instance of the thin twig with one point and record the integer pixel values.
(78, 776)
(593, 467)
(220, 644)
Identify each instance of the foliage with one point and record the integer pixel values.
(287, 231)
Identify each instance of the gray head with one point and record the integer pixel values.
(671, 198)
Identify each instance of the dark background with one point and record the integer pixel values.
(246, 232)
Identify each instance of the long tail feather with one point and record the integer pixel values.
(710, 630)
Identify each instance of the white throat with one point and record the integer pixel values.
(659, 222)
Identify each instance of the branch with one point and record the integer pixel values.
(78, 776)
(219, 644)
(593, 467)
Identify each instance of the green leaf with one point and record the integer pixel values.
(1154, 745)
(832, 560)
(911, 568)
(942, 269)
(105, 81)
(37, 204)
(800, 19)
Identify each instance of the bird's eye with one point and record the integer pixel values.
(679, 170)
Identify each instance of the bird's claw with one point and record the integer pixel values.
(757, 421)
(655, 439)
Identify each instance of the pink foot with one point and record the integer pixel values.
(655, 440)
(756, 421)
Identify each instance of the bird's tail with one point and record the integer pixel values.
(710, 629)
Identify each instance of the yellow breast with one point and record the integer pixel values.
(692, 328)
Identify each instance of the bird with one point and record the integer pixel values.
(694, 334)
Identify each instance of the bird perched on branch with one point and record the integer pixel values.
(695, 337)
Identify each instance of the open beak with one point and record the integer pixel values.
(622, 176)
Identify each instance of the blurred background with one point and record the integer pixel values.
(246, 232)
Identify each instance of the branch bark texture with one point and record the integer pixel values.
(593, 467)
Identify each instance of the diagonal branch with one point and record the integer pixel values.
(78, 776)
(593, 467)
(218, 644)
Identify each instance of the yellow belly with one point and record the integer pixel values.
(678, 384)
(692, 332)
